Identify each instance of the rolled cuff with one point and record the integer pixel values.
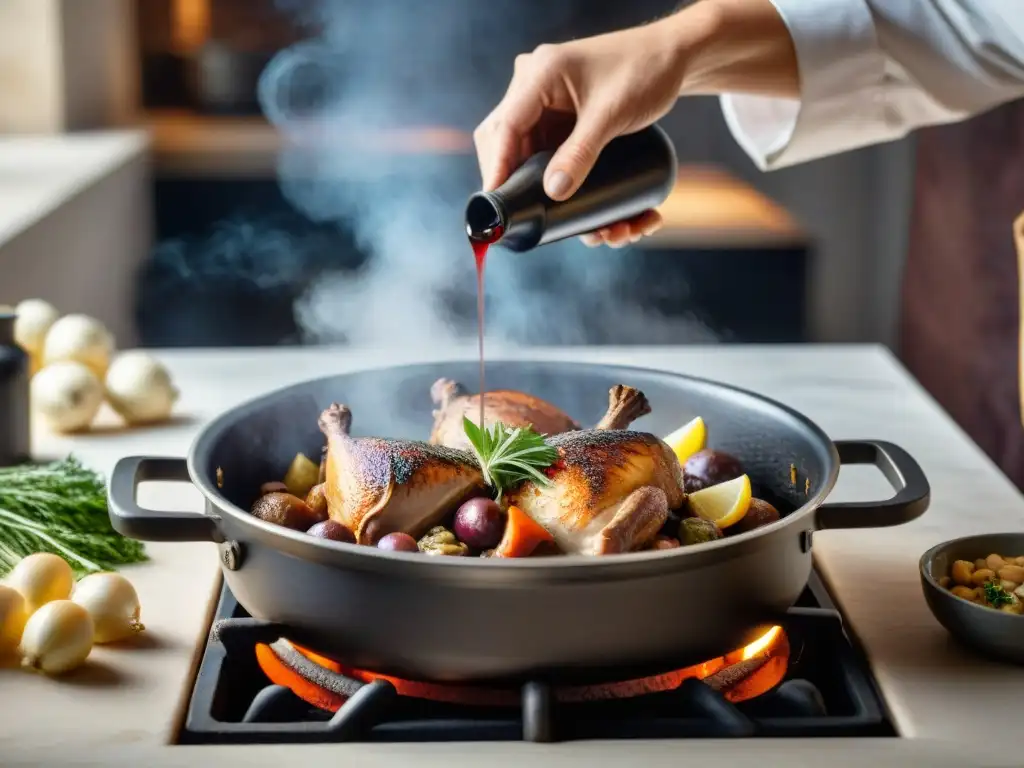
(842, 93)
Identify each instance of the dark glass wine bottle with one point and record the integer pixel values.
(633, 173)
(14, 412)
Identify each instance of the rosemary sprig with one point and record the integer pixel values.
(60, 508)
(509, 456)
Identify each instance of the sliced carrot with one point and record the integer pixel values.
(522, 535)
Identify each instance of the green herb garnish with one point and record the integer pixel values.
(60, 508)
(995, 595)
(510, 456)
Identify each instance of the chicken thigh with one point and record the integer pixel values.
(611, 489)
(510, 407)
(376, 486)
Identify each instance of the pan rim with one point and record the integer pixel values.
(626, 565)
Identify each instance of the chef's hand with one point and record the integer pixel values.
(576, 97)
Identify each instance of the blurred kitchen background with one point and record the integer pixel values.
(259, 172)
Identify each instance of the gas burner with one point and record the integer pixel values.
(326, 684)
(801, 679)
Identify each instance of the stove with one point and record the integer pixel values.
(803, 679)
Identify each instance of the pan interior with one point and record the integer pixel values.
(256, 442)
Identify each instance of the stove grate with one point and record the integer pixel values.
(827, 693)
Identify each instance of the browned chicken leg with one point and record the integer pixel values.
(611, 490)
(625, 405)
(376, 486)
(518, 409)
(637, 521)
(512, 408)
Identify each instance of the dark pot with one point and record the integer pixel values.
(454, 618)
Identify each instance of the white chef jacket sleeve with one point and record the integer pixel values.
(871, 71)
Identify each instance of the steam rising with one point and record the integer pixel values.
(351, 105)
(237, 250)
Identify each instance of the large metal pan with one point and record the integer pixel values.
(449, 618)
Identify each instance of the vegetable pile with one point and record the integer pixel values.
(75, 368)
(60, 508)
(54, 528)
(52, 623)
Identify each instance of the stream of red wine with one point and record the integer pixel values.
(480, 248)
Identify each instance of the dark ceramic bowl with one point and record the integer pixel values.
(995, 634)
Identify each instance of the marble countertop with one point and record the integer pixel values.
(127, 704)
(40, 173)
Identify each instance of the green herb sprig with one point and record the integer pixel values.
(60, 508)
(509, 456)
(995, 595)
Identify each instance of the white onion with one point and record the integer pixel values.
(13, 616)
(57, 638)
(82, 339)
(113, 604)
(139, 388)
(41, 578)
(67, 395)
(33, 319)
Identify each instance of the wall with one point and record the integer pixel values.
(100, 63)
(856, 206)
(30, 79)
(83, 253)
(65, 65)
(892, 203)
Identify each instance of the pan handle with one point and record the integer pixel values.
(131, 520)
(903, 473)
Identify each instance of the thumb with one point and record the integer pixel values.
(575, 159)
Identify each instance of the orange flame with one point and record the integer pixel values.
(773, 646)
(763, 643)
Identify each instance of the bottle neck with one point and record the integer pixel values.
(486, 220)
(512, 216)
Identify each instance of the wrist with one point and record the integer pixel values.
(734, 46)
(691, 34)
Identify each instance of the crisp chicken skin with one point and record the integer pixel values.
(611, 491)
(376, 486)
(518, 409)
(510, 407)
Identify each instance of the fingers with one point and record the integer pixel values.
(576, 157)
(539, 90)
(625, 232)
(647, 223)
(498, 152)
(503, 137)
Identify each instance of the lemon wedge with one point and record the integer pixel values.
(688, 439)
(724, 504)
